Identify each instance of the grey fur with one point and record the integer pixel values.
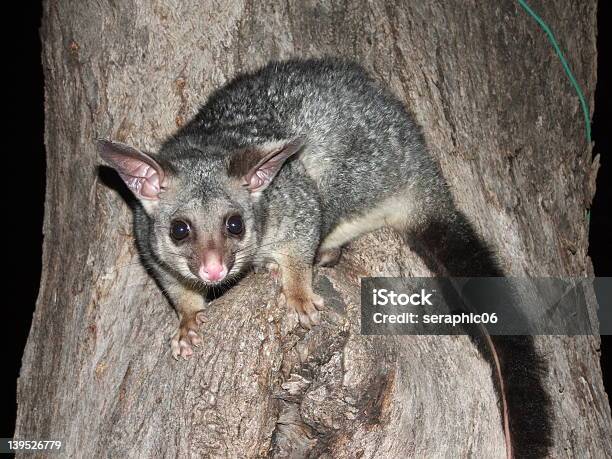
(360, 140)
(362, 165)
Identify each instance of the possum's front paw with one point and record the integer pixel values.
(185, 337)
(306, 307)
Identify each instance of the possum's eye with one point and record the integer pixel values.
(234, 225)
(179, 230)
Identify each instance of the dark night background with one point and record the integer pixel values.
(23, 127)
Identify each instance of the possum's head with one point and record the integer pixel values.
(201, 203)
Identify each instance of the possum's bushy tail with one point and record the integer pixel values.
(451, 247)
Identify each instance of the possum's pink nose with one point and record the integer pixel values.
(212, 271)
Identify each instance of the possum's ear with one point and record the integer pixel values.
(257, 166)
(140, 172)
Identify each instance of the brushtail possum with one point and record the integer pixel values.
(284, 166)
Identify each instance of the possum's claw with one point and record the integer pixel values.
(306, 308)
(185, 337)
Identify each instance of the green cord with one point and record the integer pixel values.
(553, 41)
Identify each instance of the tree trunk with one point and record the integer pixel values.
(496, 109)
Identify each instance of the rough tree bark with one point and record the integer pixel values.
(498, 112)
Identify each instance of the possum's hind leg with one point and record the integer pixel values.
(392, 212)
